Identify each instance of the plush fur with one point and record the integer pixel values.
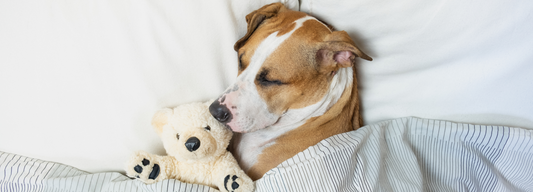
(196, 145)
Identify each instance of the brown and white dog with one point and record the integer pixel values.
(296, 86)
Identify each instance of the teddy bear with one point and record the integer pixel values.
(196, 146)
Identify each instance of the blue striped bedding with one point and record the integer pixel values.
(406, 154)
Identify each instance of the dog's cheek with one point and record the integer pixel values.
(310, 93)
(272, 98)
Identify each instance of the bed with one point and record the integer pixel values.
(447, 100)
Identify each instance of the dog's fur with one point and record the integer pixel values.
(296, 87)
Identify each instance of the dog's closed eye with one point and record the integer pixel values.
(263, 80)
(241, 65)
(207, 128)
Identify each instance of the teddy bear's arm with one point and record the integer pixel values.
(150, 168)
(230, 177)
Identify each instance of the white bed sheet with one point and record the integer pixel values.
(406, 154)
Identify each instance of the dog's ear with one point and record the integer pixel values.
(255, 18)
(338, 51)
(160, 119)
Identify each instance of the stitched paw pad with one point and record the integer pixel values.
(231, 183)
(153, 174)
(144, 169)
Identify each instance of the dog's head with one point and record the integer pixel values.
(287, 61)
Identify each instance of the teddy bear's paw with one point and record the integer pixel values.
(145, 170)
(231, 183)
(154, 171)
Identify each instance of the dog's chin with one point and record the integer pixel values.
(240, 131)
(237, 129)
(252, 127)
(234, 128)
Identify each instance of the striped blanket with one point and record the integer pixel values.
(406, 154)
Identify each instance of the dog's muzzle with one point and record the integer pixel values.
(220, 112)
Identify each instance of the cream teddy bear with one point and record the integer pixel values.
(196, 145)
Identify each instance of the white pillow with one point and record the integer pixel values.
(465, 61)
(80, 80)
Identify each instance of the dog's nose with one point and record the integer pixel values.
(192, 144)
(220, 112)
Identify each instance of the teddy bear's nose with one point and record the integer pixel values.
(192, 144)
(220, 112)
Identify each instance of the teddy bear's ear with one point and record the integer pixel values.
(160, 119)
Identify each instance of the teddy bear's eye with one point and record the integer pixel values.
(178, 136)
(207, 128)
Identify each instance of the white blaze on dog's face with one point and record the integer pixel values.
(284, 66)
(262, 88)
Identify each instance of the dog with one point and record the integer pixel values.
(296, 86)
